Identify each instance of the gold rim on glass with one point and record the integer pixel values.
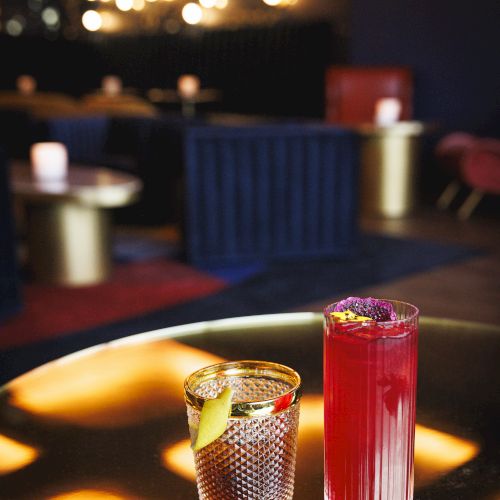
(243, 369)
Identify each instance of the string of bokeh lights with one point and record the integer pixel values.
(107, 16)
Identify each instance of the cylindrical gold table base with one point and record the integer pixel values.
(389, 161)
(68, 243)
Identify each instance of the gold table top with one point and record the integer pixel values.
(89, 185)
(110, 422)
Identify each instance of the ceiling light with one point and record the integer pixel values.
(50, 16)
(208, 4)
(192, 13)
(124, 5)
(92, 20)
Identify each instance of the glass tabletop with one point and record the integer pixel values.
(110, 422)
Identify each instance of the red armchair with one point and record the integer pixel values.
(450, 152)
(352, 91)
(473, 162)
(480, 171)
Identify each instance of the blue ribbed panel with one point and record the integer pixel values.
(85, 137)
(269, 192)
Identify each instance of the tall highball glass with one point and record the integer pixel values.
(370, 379)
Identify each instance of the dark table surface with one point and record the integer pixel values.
(110, 422)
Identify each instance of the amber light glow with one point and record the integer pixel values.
(15, 455)
(437, 453)
(111, 385)
(90, 494)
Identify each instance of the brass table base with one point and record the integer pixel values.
(68, 243)
(389, 168)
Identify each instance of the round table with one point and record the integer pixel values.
(111, 420)
(67, 226)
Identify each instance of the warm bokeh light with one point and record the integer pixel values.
(50, 16)
(188, 86)
(15, 26)
(207, 4)
(90, 494)
(192, 13)
(221, 4)
(15, 455)
(111, 85)
(179, 459)
(110, 385)
(272, 3)
(437, 453)
(138, 4)
(124, 5)
(91, 20)
(26, 84)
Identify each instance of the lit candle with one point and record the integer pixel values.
(26, 84)
(49, 161)
(387, 111)
(188, 86)
(111, 85)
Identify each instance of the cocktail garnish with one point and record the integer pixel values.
(377, 310)
(213, 419)
(348, 316)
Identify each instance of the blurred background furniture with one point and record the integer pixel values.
(480, 171)
(390, 168)
(40, 104)
(117, 105)
(67, 226)
(17, 127)
(390, 152)
(258, 193)
(84, 136)
(351, 92)
(10, 279)
(449, 152)
(472, 162)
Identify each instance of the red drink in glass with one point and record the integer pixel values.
(370, 383)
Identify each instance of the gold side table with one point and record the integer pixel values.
(389, 168)
(67, 224)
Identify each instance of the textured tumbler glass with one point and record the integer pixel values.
(255, 457)
(370, 380)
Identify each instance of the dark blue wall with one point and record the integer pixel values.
(453, 47)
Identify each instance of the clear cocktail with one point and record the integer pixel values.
(254, 458)
(370, 370)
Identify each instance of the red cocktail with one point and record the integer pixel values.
(370, 370)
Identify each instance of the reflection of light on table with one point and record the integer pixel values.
(89, 494)
(110, 386)
(437, 453)
(179, 459)
(15, 455)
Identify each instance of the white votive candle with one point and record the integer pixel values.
(49, 161)
(26, 84)
(387, 111)
(188, 86)
(111, 85)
